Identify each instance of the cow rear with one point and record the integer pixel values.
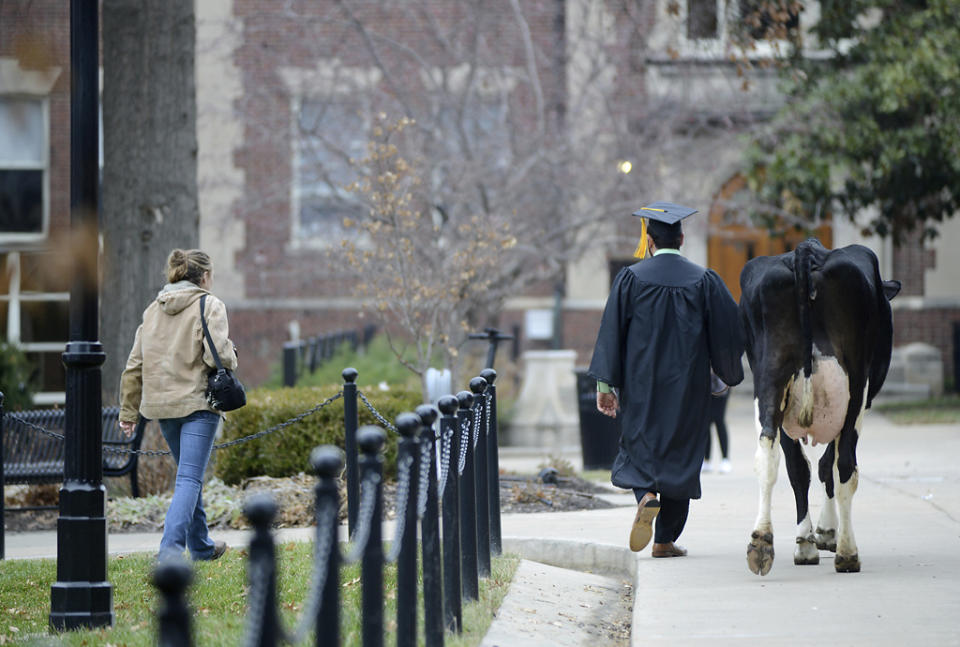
(819, 334)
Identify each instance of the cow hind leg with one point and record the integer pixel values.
(826, 532)
(798, 469)
(847, 559)
(847, 477)
(766, 463)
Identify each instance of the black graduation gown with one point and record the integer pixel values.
(666, 323)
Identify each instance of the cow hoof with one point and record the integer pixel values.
(827, 539)
(760, 553)
(847, 563)
(806, 553)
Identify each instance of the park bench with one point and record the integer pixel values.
(31, 457)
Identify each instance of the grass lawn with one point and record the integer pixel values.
(942, 410)
(218, 597)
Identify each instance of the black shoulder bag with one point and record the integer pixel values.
(224, 391)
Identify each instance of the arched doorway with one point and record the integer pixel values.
(732, 241)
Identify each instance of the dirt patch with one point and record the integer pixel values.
(560, 494)
(294, 496)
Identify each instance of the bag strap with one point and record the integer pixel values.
(206, 333)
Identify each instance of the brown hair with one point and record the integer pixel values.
(187, 265)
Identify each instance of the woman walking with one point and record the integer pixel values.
(718, 411)
(166, 379)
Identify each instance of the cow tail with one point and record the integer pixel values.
(802, 260)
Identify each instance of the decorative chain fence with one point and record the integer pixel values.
(166, 452)
(463, 430)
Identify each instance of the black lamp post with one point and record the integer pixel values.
(82, 596)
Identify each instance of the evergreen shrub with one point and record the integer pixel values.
(287, 452)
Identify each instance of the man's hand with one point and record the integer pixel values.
(607, 404)
(127, 428)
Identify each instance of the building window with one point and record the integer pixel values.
(769, 19)
(332, 139)
(23, 169)
(35, 313)
(702, 20)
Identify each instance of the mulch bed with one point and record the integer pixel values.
(518, 493)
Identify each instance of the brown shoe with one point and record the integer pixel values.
(642, 530)
(668, 550)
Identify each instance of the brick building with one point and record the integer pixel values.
(280, 91)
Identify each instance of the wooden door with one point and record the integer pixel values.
(731, 243)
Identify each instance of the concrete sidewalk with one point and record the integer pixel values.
(907, 522)
(906, 518)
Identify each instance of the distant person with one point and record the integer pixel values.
(720, 393)
(667, 321)
(166, 379)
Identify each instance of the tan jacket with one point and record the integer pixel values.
(166, 373)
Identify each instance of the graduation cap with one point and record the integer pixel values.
(667, 213)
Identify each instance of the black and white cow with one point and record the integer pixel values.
(819, 333)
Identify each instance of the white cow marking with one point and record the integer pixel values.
(766, 463)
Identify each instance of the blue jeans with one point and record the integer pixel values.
(190, 439)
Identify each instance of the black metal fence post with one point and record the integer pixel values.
(493, 462)
(430, 536)
(370, 440)
(172, 578)
(350, 423)
(478, 386)
(452, 611)
(290, 351)
(494, 337)
(261, 509)
(327, 462)
(408, 452)
(470, 586)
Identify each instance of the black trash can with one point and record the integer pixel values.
(599, 434)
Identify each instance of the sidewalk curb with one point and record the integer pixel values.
(589, 557)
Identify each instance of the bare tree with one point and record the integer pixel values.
(519, 115)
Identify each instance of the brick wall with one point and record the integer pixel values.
(37, 33)
(932, 326)
(911, 258)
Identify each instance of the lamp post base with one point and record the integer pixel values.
(81, 597)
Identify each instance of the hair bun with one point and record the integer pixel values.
(187, 264)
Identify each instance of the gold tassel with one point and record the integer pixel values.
(642, 245)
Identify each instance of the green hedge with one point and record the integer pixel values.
(287, 451)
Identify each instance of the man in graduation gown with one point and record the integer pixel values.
(667, 322)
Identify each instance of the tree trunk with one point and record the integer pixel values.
(149, 191)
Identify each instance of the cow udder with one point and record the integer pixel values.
(830, 390)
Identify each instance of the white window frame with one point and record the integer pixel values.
(34, 85)
(43, 165)
(328, 78)
(14, 299)
(720, 47)
(298, 237)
